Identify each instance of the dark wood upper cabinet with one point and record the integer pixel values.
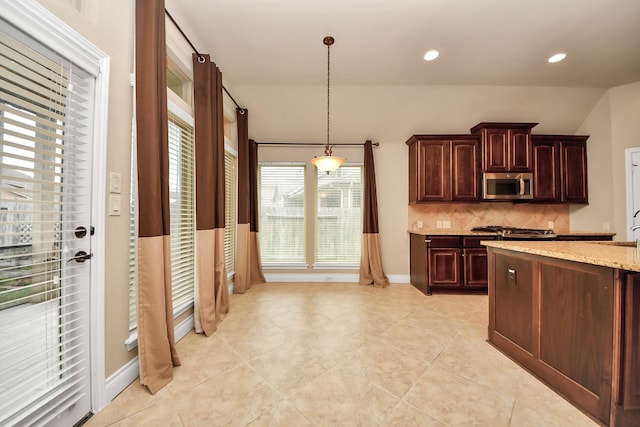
(465, 176)
(559, 169)
(573, 159)
(545, 155)
(444, 168)
(506, 147)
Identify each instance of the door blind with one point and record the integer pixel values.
(45, 130)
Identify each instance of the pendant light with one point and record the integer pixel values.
(328, 162)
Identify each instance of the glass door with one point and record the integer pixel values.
(45, 236)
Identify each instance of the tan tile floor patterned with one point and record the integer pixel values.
(336, 354)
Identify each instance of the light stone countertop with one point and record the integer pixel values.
(620, 255)
(449, 232)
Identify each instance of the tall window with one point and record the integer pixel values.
(339, 216)
(229, 211)
(282, 222)
(182, 211)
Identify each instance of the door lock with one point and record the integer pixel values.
(80, 256)
(80, 232)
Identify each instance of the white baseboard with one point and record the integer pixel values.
(327, 277)
(121, 379)
(316, 277)
(399, 278)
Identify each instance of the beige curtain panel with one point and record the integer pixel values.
(247, 263)
(371, 272)
(156, 343)
(212, 299)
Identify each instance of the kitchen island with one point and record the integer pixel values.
(569, 313)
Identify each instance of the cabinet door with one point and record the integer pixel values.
(513, 300)
(546, 171)
(418, 262)
(444, 267)
(496, 150)
(465, 181)
(574, 172)
(475, 267)
(519, 150)
(434, 171)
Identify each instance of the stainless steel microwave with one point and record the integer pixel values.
(507, 186)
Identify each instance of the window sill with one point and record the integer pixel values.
(132, 342)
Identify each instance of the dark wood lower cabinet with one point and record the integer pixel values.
(575, 326)
(448, 262)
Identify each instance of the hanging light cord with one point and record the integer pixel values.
(328, 41)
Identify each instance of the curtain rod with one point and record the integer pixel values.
(313, 144)
(200, 56)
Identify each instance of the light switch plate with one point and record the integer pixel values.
(115, 207)
(446, 224)
(438, 224)
(115, 182)
(420, 224)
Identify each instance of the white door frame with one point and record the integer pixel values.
(629, 165)
(42, 25)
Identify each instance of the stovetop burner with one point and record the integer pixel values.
(517, 233)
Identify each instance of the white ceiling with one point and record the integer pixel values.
(481, 42)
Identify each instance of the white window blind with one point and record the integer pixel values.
(45, 145)
(133, 235)
(182, 211)
(339, 216)
(229, 211)
(282, 221)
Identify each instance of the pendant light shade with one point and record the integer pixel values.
(328, 162)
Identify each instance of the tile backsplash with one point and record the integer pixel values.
(464, 216)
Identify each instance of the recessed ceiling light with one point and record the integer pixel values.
(557, 57)
(431, 55)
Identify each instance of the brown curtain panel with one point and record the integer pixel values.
(212, 299)
(247, 263)
(156, 343)
(371, 272)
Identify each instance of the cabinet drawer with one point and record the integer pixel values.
(444, 241)
(474, 242)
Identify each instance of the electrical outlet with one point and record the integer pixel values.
(420, 224)
(606, 226)
(446, 224)
(438, 224)
(550, 225)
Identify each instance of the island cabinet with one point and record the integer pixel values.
(574, 325)
(444, 168)
(448, 262)
(506, 147)
(559, 169)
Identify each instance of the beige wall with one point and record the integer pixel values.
(614, 126)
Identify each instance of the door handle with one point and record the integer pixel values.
(80, 256)
(521, 192)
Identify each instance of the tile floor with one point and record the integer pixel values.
(336, 354)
